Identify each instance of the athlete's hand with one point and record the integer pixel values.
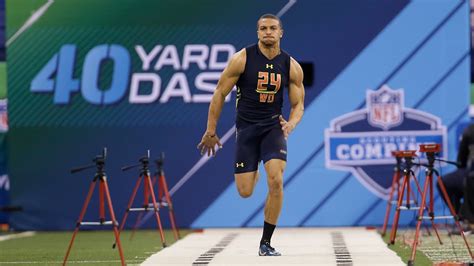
(208, 144)
(286, 126)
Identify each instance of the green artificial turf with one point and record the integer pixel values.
(90, 247)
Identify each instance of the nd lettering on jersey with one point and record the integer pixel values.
(268, 96)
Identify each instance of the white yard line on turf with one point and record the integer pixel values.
(15, 236)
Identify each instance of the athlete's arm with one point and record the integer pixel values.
(296, 97)
(228, 79)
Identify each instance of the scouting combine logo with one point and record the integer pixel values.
(362, 141)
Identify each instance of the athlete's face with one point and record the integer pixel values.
(269, 31)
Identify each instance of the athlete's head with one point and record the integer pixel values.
(269, 29)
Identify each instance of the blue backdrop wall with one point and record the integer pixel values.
(388, 75)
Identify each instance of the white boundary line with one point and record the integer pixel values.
(15, 236)
(31, 20)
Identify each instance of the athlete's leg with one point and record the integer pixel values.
(246, 160)
(273, 153)
(273, 204)
(246, 183)
(274, 169)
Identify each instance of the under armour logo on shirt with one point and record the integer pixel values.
(269, 66)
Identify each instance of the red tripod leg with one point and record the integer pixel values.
(155, 206)
(401, 191)
(146, 194)
(170, 207)
(431, 210)
(101, 203)
(130, 202)
(409, 191)
(420, 219)
(146, 203)
(454, 214)
(81, 216)
(395, 178)
(417, 186)
(421, 193)
(114, 221)
(160, 190)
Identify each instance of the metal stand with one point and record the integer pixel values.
(395, 189)
(163, 191)
(164, 198)
(428, 189)
(395, 186)
(408, 174)
(99, 163)
(147, 192)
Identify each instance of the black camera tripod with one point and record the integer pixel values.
(100, 175)
(428, 189)
(147, 192)
(408, 174)
(164, 198)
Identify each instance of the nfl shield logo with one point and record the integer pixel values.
(362, 141)
(385, 107)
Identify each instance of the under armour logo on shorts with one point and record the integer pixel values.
(239, 165)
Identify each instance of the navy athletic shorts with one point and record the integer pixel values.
(257, 142)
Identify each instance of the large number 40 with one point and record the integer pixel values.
(58, 75)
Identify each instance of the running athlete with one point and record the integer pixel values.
(260, 72)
